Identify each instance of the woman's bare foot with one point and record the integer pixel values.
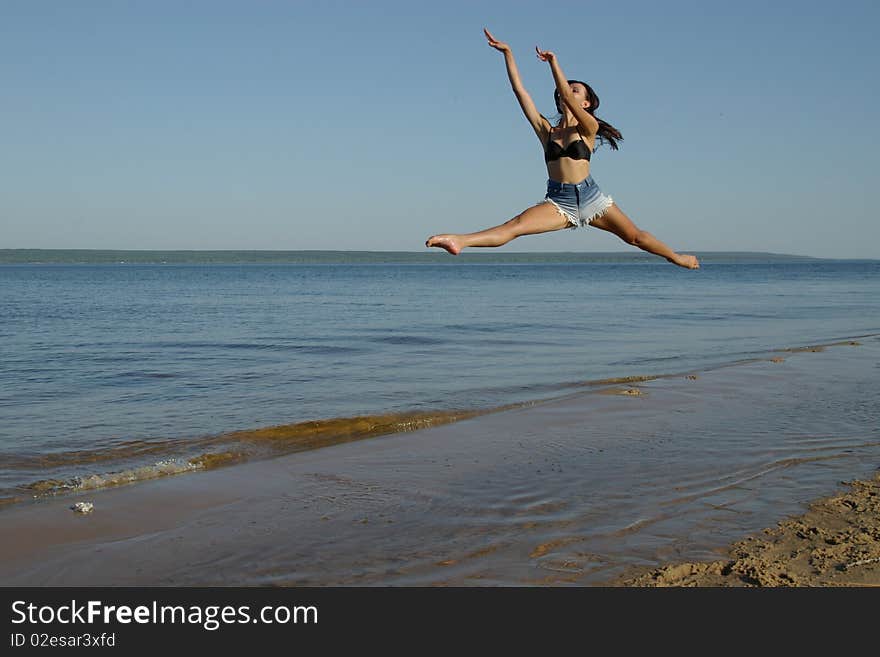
(445, 242)
(684, 260)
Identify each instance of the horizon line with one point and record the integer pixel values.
(439, 252)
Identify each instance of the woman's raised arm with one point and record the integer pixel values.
(587, 121)
(539, 124)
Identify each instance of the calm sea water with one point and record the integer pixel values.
(115, 366)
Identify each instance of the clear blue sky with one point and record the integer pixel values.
(749, 125)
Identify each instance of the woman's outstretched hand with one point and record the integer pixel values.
(495, 43)
(545, 55)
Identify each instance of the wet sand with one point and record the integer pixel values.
(578, 491)
(836, 543)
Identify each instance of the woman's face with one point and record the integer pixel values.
(580, 94)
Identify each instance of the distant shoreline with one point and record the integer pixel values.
(133, 256)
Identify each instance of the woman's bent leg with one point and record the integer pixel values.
(615, 221)
(541, 218)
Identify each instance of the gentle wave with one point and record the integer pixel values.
(236, 447)
(410, 339)
(97, 481)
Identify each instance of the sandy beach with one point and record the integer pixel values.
(835, 543)
(642, 483)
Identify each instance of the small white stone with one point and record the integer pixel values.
(83, 507)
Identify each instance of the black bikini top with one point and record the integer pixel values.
(576, 150)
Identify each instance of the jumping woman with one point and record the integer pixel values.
(573, 198)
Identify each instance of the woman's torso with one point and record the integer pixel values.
(566, 169)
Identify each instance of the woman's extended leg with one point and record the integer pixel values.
(615, 221)
(541, 218)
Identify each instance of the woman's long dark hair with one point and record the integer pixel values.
(607, 132)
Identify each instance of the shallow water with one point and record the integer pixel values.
(591, 484)
(566, 492)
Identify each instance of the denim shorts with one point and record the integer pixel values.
(581, 203)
